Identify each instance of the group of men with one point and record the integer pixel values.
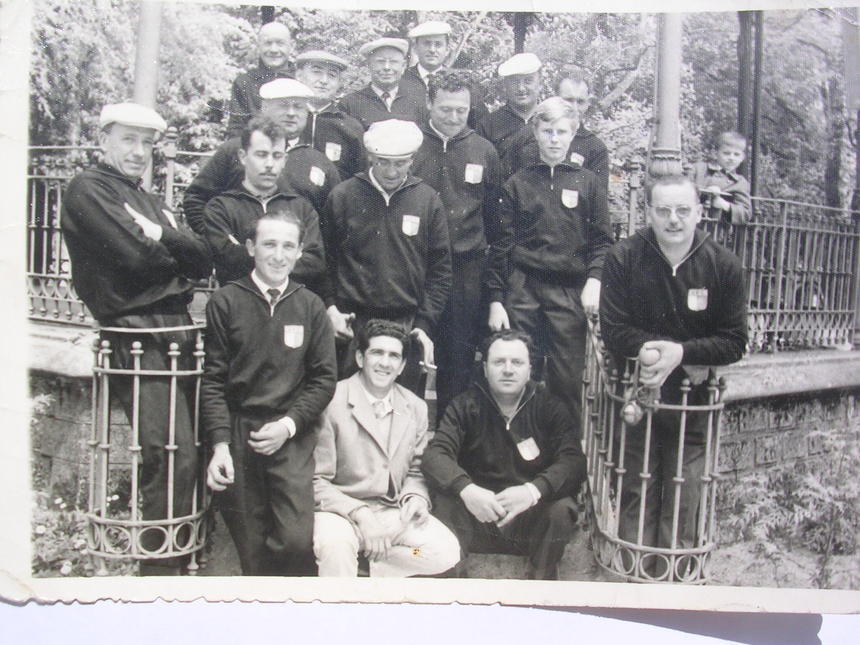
(369, 239)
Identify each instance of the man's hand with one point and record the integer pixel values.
(427, 345)
(590, 297)
(219, 474)
(482, 503)
(415, 510)
(150, 229)
(342, 323)
(375, 538)
(515, 500)
(498, 317)
(268, 439)
(671, 355)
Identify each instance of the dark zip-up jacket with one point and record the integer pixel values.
(554, 224)
(501, 127)
(245, 98)
(415, 85)
(307, 172)
(367, 107)
(339, 137)
(116, 269)
(475, 444)
(230, 220)
(465, 172)
(586, 150)
(393, 257)
(644, 298)
(265, 362)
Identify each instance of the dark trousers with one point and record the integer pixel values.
(269, 508)
(660, 490)
(458, 330)
(153, 422)
(541, 532)
(553, 316)
(412, 378)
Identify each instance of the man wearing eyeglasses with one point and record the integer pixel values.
(675, 299)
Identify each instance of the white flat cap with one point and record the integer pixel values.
(430, 28)
(320, 56)
(285, 88)
(397, 43)
(526, 63)
(132, 114)
(393, 138)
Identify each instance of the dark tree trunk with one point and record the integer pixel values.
(746, 89)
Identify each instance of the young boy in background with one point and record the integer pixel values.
(725, 192)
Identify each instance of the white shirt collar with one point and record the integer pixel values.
(264, 288)
(387, 400)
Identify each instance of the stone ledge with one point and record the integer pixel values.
(767, 375)
(61, 349)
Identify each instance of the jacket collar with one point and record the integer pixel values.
(246, 283)
(699, 238)
(411, 180)
(564, 164)
(360, 408)
(107, 169)
(244, 193)
(716, 168)
(482, 386)
(428, 130)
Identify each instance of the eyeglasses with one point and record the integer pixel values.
(664, 212)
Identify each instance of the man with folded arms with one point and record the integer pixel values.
(330, 130)
(505, 462)
(370, 493)
(307, 172)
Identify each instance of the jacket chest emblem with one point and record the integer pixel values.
(294, 336)
(577, 158)
(317, 176)
(410, 225)
(569, 198)
(332, 151)
(474, 173)
(528, 449)
(697, 299)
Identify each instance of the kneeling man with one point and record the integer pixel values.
(270, 371)
(370, 493)
(506, 461)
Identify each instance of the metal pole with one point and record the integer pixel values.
(756, 115)
(146, 61)
(665, 157)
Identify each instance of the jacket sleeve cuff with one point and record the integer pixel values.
(497, 295)
(542, 486)
(460, 483)
(219, 435)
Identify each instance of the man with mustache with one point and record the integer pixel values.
(232, 216)
(307, 172)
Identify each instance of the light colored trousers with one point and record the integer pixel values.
(421, 550)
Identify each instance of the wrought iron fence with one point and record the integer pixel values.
(652, 472)
(802, 260)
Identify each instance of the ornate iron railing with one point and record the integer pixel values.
(652, 472)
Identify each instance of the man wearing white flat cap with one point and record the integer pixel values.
(386, 96)
(331, 130)
(521, 79)
(307, 172)
(387, 249)
(133, 265)
(274, 45)
(431, 42)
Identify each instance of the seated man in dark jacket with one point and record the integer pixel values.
(506, 461)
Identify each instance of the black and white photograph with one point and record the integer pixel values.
(526, 306)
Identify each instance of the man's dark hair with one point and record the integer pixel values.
(454, 80)
(280, 215)
(379, 327)
(669, 180)
(507, 334)
(265, 124)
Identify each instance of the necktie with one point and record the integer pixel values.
(386, 97)
(379, 408)
(273, 295)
